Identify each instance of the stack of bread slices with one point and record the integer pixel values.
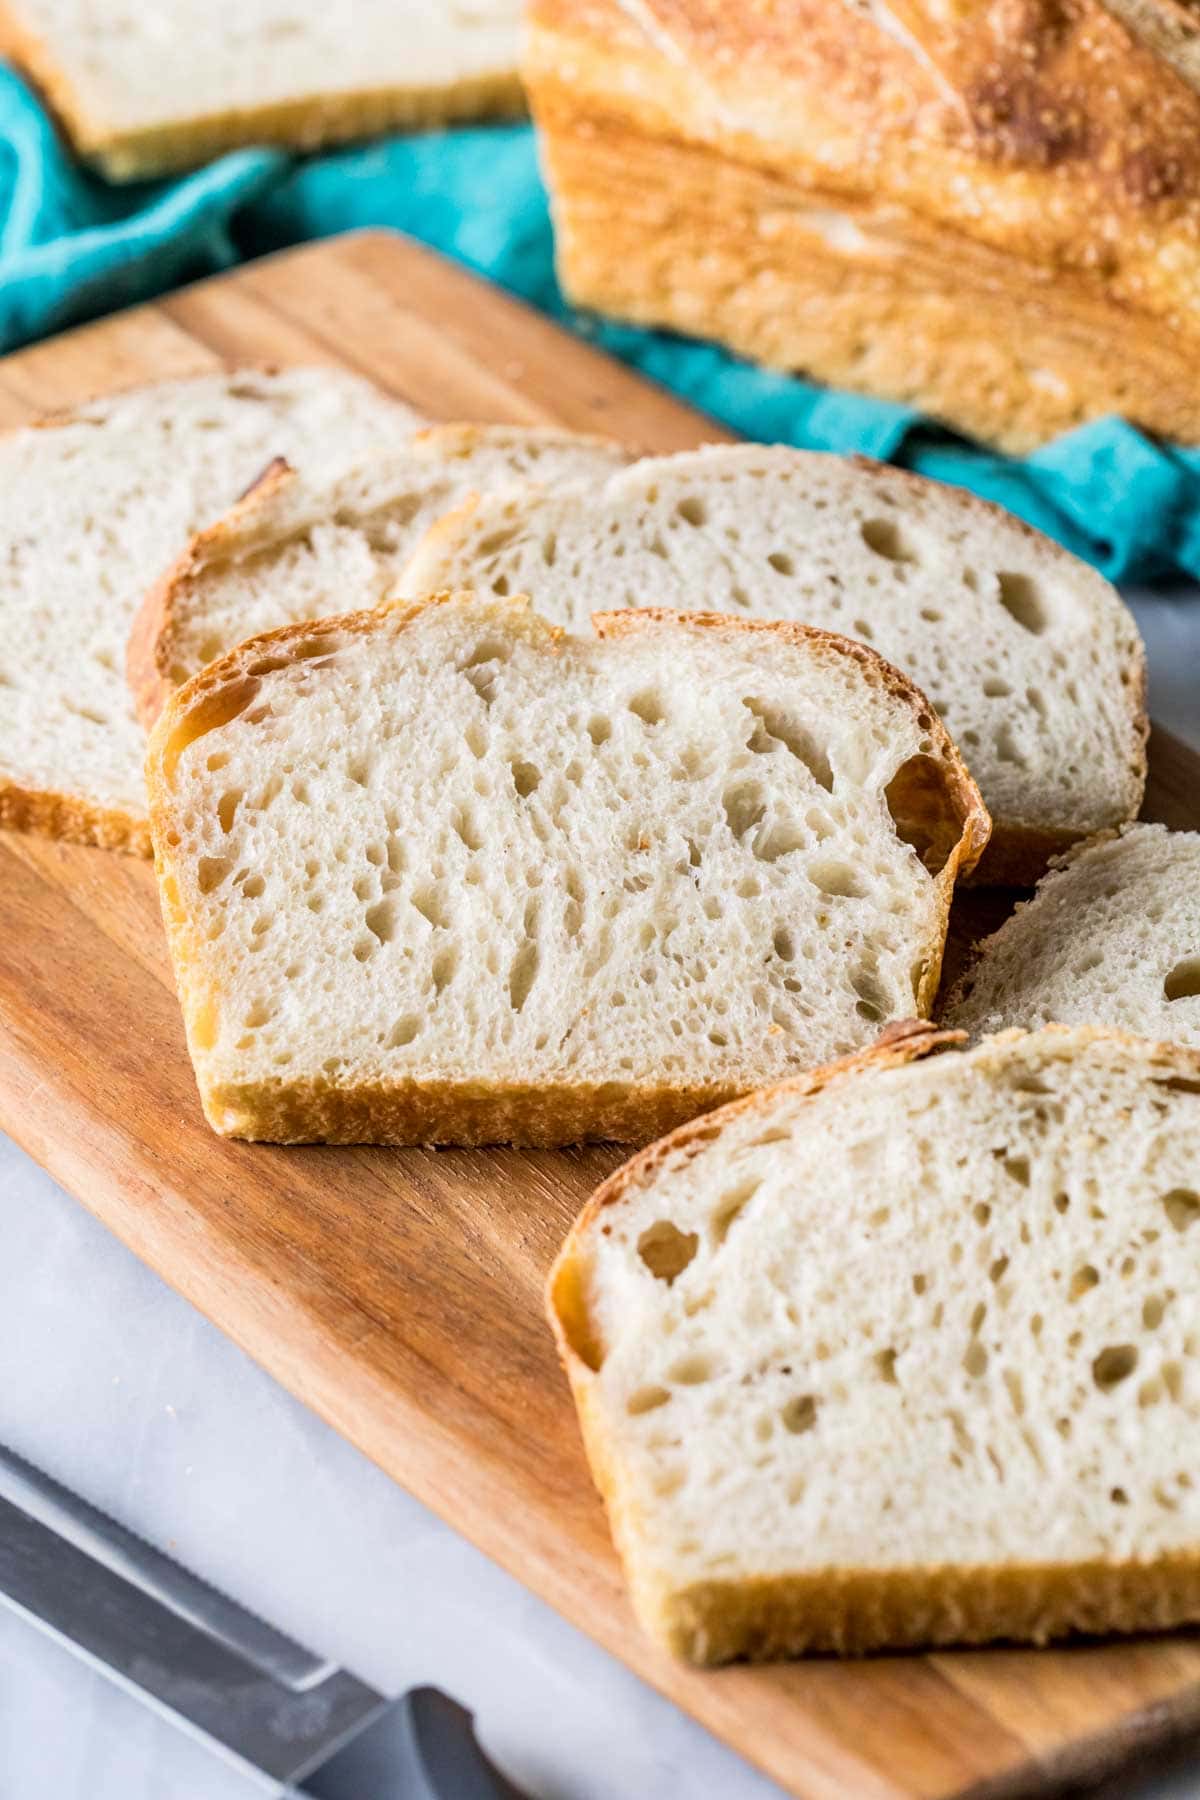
(507, 788)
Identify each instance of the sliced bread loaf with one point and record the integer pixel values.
(904, 1352)
(1029, 656)
(443, 874)
(1112, 937)
(93, 506)
(171, 85)
(295, 549)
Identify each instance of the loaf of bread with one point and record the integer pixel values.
(93, 506)
(992, 214)
(443, 874)
(904, 1352)
(1030, 657)
(1112, 937)
(151, 88)
(1170, 27)
(295, 549)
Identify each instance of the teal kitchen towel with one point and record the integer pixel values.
(72, 246)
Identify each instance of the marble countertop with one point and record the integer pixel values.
(113, 1383)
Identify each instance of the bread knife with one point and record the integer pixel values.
(296, 1721)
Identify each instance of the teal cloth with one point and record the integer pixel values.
(71, 247)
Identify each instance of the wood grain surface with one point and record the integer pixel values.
(399, 1292)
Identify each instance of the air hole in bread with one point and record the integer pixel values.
(403, 1032)
(975, 1359)
(800, 1414)
(218, 707)
(1083, 1281)
(773, 727)
(1115, 1363)
(692, 510)
(522, 974)
(732, 1205)
(874, 1001)
(526, 778)
(781, 562)
(769, 846)
(599, 729)
(211, 871)
(646, 1399)
(691, 1371)
(1183, 982)
(744, 806)
(836, 879)
(466, 828)
(1006, 747)
(667, 1251)
(927, 812)
(430, 902)
(1153, 1309)
(886, 539)
(885, 1366)
(1022, 599)
(1182, 1207)
(444, 965)
(648, 707)
(784, 944)
(380, 920)
(227, 806)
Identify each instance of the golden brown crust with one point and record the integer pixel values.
(305, 123)
(416, 1112)
(851, 1611)
(150, 651)
(1010, 244)
(74, 818)
(318, 1111)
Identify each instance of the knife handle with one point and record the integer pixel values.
(423, 1747)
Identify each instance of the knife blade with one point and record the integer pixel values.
(217, 1669)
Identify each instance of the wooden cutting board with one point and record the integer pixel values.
(399, 1293)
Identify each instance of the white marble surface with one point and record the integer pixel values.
(113, 1383)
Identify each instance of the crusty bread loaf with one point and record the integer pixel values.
(168, 86)
(990, 213)
(295, 549)
(443, 874)
(1030, 657)
(1170, 27)
(1112, 937)
(903, 1353)
(94, 505)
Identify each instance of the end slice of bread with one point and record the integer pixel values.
(93, 505)
(294, 549)
(1029, 656)
(443, 873)
(290, 72)
(1111, 937)
(903, 1352)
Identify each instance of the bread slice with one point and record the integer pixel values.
(903, 1352)
(292, 549)
(169, 86)
(1112, 937)
(93, 505)
(443, 874)
(1030, 657)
